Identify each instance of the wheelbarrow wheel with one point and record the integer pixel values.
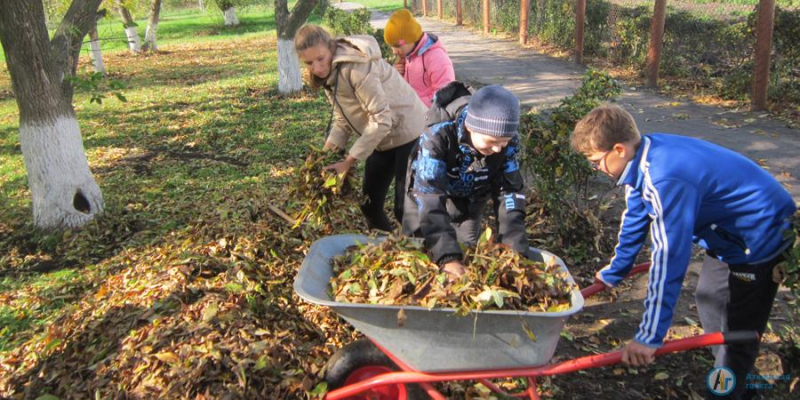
(361, 360)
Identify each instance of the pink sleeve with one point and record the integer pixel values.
(440, 68)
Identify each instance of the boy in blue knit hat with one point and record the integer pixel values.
(456, 168)
(683, 191)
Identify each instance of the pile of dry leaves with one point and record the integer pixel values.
(325, 198)
(396, 271)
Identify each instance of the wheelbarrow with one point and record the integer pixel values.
(435, 345)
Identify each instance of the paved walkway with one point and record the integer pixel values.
(541, 81)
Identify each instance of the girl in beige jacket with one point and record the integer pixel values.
(371, 100)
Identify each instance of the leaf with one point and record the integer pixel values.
(401, 317)
(320, 389)
(261, 363)
(47, 397)
(210, 312)
(330, 182)
(168, 357)
(485, 236)
(529, 332)
(661, 376)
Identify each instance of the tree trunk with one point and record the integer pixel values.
(64, 192)
(134, 44)
(289, 76)
(97, 55)
(152, 26)
(202, 6)
(230, 17)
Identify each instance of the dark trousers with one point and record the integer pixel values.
(381, 167)
(466, 216)
(736, 298)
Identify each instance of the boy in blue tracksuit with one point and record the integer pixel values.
(686, 191)
(458, 166)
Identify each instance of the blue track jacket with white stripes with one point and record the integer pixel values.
(686, 191)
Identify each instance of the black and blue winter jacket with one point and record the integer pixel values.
(685, 191)
(446, 166)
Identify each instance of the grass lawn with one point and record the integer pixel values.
(184, 285)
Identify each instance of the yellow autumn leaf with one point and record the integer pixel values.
(167, 357)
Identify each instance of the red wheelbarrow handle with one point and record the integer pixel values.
(600, 286)
(599, 360)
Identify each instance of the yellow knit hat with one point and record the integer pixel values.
(402, 26)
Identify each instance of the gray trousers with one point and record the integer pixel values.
(735, 297)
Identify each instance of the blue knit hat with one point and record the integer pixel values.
(493, 111)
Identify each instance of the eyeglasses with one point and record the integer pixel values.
(597, 164)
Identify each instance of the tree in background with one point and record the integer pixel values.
(289, 75)
(123, 8)
(63, 189)
(94, 45)
(228, 8)
(152, 26)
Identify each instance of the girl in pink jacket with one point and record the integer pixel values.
(422, 60)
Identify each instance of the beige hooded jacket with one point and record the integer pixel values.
(371, 100)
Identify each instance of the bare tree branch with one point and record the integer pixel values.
(288, 23)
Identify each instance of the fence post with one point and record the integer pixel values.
(656, 40)
(424, 8)
(766, 20)
(459, 17)
(580, 21)
(486, 22)
(439, 8)
(525, 7)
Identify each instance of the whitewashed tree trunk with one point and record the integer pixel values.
(62, 186)
(287, 23)
(230, 17)
(63, 190)
(150, 37)
(97, 55)
(202, 6)
(152, 26)
(290, 79)
(134, 43)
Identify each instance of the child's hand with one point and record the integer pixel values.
(454, 269)
(400, 66)
(638, 355)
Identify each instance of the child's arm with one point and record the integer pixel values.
(429, 190)
(676, 204)
(511, 201)
(440, 72)
(633, 231)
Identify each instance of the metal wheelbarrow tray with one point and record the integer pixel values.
(437, 340)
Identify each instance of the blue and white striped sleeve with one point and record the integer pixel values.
(675, 204)
(632, 232)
